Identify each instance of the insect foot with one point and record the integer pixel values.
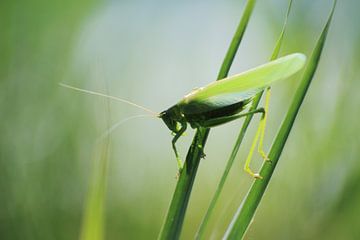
(201, 148)
(264, 156)
(257, 176)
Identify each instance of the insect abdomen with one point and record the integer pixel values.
(197, 119)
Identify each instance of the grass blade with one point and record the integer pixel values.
(246, 211)
(93, 219)
(93, 222)
(174, 220)
(208, 214)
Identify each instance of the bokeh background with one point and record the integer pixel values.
(153, 53)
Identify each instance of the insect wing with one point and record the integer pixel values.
(244, 83)
(216, 102)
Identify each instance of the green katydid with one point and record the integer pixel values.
(223, 101)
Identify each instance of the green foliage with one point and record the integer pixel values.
(255, 103)
(247, 209)
(39, 171)
(93, 221)
(176, 213)
(52, 183)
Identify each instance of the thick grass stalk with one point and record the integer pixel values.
(247, 209)
(176, 213)
(255, 103)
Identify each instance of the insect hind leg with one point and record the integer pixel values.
(259, 134)
(263, 121)
(249, 157)
(221, 120)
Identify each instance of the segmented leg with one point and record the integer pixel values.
(263, 126)
(252, 148)
(176, 137)
(259, 133)
(200, 146)
(221, 120)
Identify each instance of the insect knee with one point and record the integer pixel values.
(261, 110)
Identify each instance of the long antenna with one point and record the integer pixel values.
(110, 97)
(118, 124)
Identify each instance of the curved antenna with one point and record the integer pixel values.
(110, 97)
(118, 124)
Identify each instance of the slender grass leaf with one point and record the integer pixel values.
(255, 103)
(93, 222)
(247, 209)
(93, 219)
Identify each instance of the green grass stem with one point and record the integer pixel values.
(247, 209)
(93, 221)
(255, 103)
(175, 217)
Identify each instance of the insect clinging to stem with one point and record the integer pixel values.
(223, 101)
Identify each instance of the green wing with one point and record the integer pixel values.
(241, 86)
(216, 102)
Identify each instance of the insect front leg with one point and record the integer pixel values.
(200, 146)
(176, 137)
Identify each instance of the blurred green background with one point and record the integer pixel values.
(153, 53)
